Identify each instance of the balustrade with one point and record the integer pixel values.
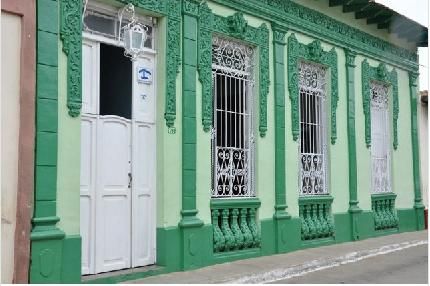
(384, 211)
(316, 219)
(235, 225)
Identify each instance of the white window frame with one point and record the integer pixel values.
(380, 148)
(312, 158)
(233, 60)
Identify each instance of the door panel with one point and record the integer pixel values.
(88, 190)
(143, 194)
(144, 162)
(90, 77)
(113, 205)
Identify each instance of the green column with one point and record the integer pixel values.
(283, 227)
(354, 209)
(418, 204)
(46, 238)
(191, 226)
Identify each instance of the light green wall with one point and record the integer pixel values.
(349, 19)
(68, 166)
(169, 159)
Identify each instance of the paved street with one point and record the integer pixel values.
(403, 266)
(397, 258)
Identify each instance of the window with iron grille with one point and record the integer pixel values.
(232, 135)
(312, 88)
(380, 138)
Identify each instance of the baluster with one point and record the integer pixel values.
(324, 227)
(219, 240)
(225, 228)
(377, 215)
(253, 227)
(238, 236)
(310, 223)
(386, 222)
(396, 218)
(316, 221)
(330, 223)
(305, 228)
(247, 235)
(390, 214)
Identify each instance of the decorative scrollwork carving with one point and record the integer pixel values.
(379, 73)
(311, 52)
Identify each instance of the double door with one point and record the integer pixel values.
(117, 159)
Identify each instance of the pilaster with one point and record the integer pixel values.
(46, 238)
(418, 204)
(354, 209)
(190, 225)
(281, 215)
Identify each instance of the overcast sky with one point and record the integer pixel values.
(417, 10)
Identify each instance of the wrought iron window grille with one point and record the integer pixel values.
(232, 134)
(380, 151)
(312, 142)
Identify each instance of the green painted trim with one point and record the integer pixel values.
(46, 238)
(293, 16)
(234, 26)
(127, 277)
(312, 52)
(70, 31)
(189, 141)
(379, 73)
(71, 35)
(279, 74)
(315, 199)
(418, 204)
(235, 203)
(352, 149)
(71, 263)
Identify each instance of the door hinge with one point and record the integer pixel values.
(130, 179)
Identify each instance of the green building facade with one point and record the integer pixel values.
(194, 225)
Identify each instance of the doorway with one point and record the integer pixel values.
(118, 161)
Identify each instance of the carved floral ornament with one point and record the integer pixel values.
(380, 74)
(236, 27)
(312, 52)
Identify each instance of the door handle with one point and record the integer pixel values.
(130, 179)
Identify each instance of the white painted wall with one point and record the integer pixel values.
(10, 93)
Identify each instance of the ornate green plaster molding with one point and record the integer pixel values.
(70, 32)
(234, 26)
(379, 73)
(71, 35)
(312, 52)
(293, 16)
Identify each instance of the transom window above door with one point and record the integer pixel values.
(103, 21)
(312, 157)
(232, 143)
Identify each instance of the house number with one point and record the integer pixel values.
(144, 75)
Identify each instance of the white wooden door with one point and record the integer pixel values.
(113, 199)
(118, 168)
(144, 163)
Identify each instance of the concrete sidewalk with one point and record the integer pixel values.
(281, 266)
